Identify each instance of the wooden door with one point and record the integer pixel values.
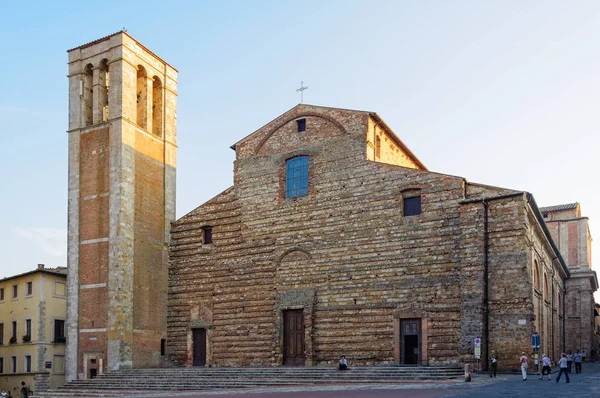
(293, 337)
(199, 347)
(410, 341)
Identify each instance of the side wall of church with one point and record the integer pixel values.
(518, 302)
(579, 312)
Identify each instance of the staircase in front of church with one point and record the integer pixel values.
(143, 382)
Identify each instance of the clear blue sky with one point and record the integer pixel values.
(501, 92)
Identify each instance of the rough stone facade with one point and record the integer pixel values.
(349, 258)
(571, 233)
(122, 130)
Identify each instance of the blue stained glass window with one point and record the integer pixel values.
(296, 177)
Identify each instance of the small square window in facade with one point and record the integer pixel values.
(15, 291)
(296, 177)
(29, 288)
(545, 215)
(301, 125)
(207, 235)
(412, 206)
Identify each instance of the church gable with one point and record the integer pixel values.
(302, 126)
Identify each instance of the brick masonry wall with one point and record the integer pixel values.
(93, 230)
(150, 273)
(345, 254)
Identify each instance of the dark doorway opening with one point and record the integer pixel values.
(410, 341)
(93, 373)
(411, 345)
(293, 337)
(199, 347)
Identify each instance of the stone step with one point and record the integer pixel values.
(135, 382)
(272, 375)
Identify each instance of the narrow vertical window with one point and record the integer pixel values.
(163, 347)
(27, 336)
(157, 107)
(13, 336)
(1, 294)
(1, 333)
(377, 146)
(59, 331)
(29, 288)
(13, 364)
(412, 206)
(27, 363)
(207, 235)
(296, 177)
(1, 365)
(142, 97)
(301, 125)
(15, 291)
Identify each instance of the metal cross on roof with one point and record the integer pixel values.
(301, 89)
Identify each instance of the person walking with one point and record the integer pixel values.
(577, 362)
(546, 364)
(493, 363)
(523, 362)
(569, 360)
(563, 368)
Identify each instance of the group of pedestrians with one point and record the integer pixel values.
(565, 365)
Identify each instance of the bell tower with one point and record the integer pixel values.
(122, 163)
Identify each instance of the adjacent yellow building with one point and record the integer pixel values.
(33, 313)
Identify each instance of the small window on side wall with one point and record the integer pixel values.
(301, 125)
(412, 206)
(207, 235)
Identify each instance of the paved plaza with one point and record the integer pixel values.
(584, 385)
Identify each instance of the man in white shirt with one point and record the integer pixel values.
(563, 368)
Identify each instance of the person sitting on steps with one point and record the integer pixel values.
(343, 364)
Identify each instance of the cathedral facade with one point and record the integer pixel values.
(336, 240)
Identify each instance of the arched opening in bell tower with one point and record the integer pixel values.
(103, 76)
(142, 97)
(85, 92)
(157, 106)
